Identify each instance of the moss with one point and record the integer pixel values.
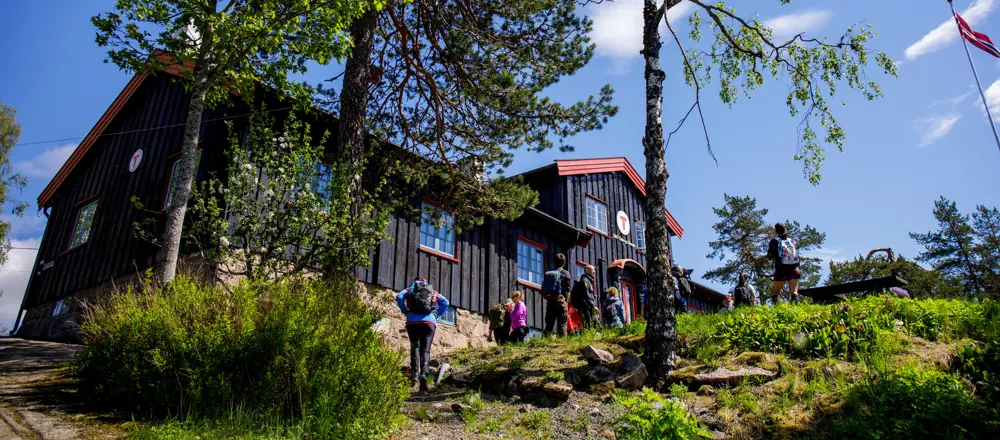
(766, 361)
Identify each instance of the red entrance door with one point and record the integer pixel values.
(629, 299)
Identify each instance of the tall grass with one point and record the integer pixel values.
(299, 351)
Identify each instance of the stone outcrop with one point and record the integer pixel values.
(750, 366)
(631, 373)
(595, 355)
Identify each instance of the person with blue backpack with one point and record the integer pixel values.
(555, 290)
(782, 251)
(422, 305)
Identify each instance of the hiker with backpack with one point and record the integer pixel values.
(583, 299)
(782, 251)
(683, 291)
(615, 309)
(744, 294)
(422, 305)
(555, 290)
(500, 322)
(518, 318)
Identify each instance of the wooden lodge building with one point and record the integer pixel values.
(590, 209)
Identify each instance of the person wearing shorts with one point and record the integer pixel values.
(783, 273)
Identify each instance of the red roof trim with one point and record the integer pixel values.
(576, 167)
(88, 142)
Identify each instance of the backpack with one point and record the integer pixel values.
(740, 293)
(497, 315)
(683, 287)
(422, 298)
(552, 285)
(786, 251)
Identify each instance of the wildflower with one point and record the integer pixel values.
(224, 242)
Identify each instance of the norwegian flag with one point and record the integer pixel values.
(977, 39)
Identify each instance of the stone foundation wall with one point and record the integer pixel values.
(470, 330)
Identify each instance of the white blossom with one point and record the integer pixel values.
(224, 242)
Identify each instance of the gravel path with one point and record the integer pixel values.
(36, 401)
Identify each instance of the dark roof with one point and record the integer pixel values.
(554, 227)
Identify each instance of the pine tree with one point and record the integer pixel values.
(951, 249)
(986, 227)
(921, 283)
(462, 83)
(225, 50)
(742, 237)
(742, 54)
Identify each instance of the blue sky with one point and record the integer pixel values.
(928, 137)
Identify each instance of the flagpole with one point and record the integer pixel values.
(982, 94)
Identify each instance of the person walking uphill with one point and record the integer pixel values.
(422, 305)
(744, 293)
(583, 298)
(555, 291)
(781, 250)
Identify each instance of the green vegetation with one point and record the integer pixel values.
(650, 416)
(298, 356)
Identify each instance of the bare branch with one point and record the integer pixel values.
(697, 94)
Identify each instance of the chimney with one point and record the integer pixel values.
(473, 167)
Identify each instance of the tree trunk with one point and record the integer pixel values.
(353, 128)
(661, 324)
(166, 268)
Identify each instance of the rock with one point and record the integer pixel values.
(603, 388)
(699, 410)
(575, 377)
(687, 374)
(706, 390)
(434, 363)
(595, 355)
(598, 374)
(461, 379)
(766, 361)
(595, 412)
(719, 435)
(725, 376)
(526, 408)
(458, 408)
(515, 399)
(713, 422)
(445, 367)
(631, 373)
(560, 389)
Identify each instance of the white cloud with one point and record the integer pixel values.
(47, 163)
(953, 101)
(935, 127)
(992, 99)
(947, 32)
(828, 255)
(14, 279)
(788, 26)
(617, 29)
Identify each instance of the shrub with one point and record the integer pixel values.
(913, 403)
(648, 415)
(295, 350)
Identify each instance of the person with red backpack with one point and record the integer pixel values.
(422, 305)
(782, 251)
(555, 292)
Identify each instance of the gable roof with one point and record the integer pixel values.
(576, 167)
(88, 142)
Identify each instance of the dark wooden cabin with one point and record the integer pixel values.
(590, 209)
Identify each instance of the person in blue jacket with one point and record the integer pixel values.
(422, 305)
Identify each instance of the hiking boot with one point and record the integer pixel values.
(423, 383)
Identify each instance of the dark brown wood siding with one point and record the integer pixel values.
(486, 270)
(153, 121)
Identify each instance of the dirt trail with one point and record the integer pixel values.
(37, 401)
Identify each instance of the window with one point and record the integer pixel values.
(437, 234)
(640, 235)
(81, 227)
(579, 269)
(173, 173)
(321, 184)
(597, 215)
(529, 262)
(448, 317)
(62, 307)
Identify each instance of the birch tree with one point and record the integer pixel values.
(741, 52)
(223, 47)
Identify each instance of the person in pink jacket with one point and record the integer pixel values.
(518, 318)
